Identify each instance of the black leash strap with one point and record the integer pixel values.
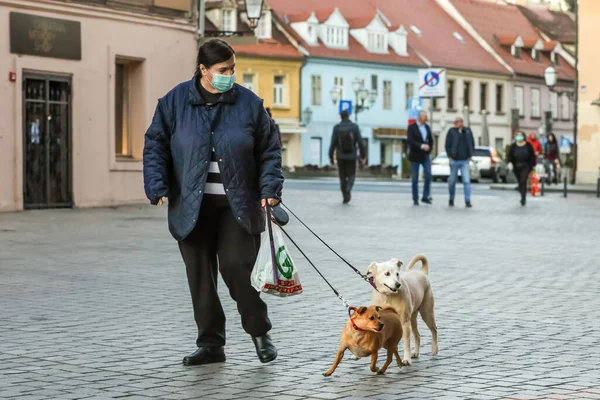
(365, 277)
(316, 269)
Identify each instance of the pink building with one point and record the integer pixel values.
(79, 83)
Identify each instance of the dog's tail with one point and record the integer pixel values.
(424, 263)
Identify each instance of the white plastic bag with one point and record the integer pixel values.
(274, 270)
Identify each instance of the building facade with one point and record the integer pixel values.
(588, 129)
(84, 78)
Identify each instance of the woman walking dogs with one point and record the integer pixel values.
(213, 152)
(521, 159)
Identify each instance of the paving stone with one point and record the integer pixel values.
(95, 303)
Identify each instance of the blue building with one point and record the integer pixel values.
(354, 55)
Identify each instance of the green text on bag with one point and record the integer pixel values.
(286, 267)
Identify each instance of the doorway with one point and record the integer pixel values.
(46, 141)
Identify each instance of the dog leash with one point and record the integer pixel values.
(364, 277)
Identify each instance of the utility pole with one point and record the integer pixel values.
(576, 101)
(201, 14)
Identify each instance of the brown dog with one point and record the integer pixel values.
(367, 331)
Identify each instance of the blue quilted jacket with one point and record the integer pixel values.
(177, 152)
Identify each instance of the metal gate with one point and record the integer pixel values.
(46, 141)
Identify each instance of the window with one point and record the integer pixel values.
(376, 41)
(410, 88)
(316, 90)
(122, 138)
(263, 29)
(565, 107)
(499, 99)
(483, 96)
(467, 94)
(554, 104)
(387, 95)
(554, 57)
(535, 103)
(535, 55)
(248, 81)
(519, 100)
(338, 82)
(229, 21)
(374, 82)
(279, 91)
(336, 36)
(316, 144)
(450, 96)
(515, 51)
(436, 104)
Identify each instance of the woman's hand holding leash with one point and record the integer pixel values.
(271, 202)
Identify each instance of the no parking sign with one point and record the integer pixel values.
(432, 82)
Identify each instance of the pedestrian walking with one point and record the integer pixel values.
(522, 159)
(551, 158)
(212, 150)
(420, 144)
(460, 146)
(346, 141)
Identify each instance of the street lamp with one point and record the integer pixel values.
(253, 12)
(362, 95)
(551, 78)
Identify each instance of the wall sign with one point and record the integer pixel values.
(45, 37)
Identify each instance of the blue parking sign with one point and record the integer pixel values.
(415, 104)
(346, 105)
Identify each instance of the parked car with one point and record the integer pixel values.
(490, 164)
(440, 169)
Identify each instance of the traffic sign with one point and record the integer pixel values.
(346, 105)
(415, 104)
(432, 82)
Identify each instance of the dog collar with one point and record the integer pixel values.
(350, 310)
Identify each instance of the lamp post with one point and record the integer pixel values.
(551, 78)
(361, 96)
(253, 12)
(307, 116)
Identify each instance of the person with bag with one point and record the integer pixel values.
(552, 159)
(521, 160)
(420, 144)
(212, 150)
(345, 140)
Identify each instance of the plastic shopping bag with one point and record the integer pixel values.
(274, 270)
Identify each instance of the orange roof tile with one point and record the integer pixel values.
(268, 48)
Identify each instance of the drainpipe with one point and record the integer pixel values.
(576, 101)
(201, 17)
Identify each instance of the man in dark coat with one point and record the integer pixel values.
(460, 146)
(420, 143)
(345, 141)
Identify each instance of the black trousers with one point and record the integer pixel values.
(219, 243)
(347, 171)
(522, 174)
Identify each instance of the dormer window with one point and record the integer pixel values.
(377, 41)
(228, 20)
(515, 51)
(535, 54)
(554, 57)
(264, 28)
(398, 41)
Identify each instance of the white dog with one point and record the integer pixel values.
(409, 293)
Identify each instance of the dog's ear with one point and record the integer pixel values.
(378, 308)
(398, 263)
(361, 310)
(372, 269)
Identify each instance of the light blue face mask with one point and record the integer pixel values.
(519, 138)
(222, 83)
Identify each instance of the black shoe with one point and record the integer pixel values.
(347, 198)
(468, 205)
(451, 203)
(265, 349)
(205, 355)
(415, 203)
(523, 202)
(426, 201)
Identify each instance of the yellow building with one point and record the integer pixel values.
(272, 71)
(588, 129)
(266, 63)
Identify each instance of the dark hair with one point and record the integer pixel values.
(213, 52)
(553, 137)
(344, 115)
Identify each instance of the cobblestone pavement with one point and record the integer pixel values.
(94, 303)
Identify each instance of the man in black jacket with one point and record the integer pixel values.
(420, 143)
(344, 142)
(460, 146)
